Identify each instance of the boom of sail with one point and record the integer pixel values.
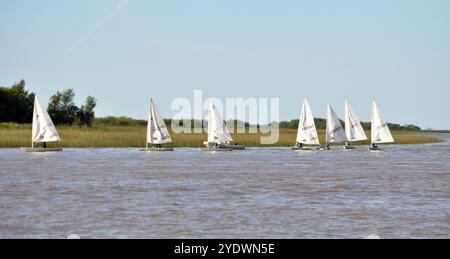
(334, 130)
(43, 129)
(157, 132)
(380, 129)
(353, 128)
(218, 131)
(307, 132)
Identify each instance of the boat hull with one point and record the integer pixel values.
(217, 149)
(41, 150)
(303, 149)
(223, 147)
(233, 146)
(154, 149)
(375, 148)
(349, 147)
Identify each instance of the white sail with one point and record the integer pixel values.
(334, 132)
(380, 129)
(307, 132)
(218, 131)
(157, 132)
(353, 128)
(43, 129)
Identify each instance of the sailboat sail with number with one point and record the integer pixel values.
(307, 132)
(334, 131)
(353, 128)
(43, 130)
(380, 129)
(219, 137)
(157, 132)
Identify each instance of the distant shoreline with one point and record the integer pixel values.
(16, 136)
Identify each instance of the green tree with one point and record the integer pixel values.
(62, 108)
(86, 114)
(16, 104)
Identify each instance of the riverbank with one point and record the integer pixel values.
(15, 135)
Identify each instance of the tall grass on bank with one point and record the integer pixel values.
(19, 135)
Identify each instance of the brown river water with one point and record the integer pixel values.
(403, 192)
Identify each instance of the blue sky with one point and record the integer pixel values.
(124, 52)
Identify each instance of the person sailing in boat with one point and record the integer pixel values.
(41, 145)
(232, 144)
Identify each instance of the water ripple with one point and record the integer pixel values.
(259, 193)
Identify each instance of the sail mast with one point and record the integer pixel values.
(353, 128)
(34, 123)
(156, 129)
(157, 132)
(218, 131)
(307, 132)
(334, 130)
(372, 127)
(149, 124)
(211, 123)
(327, 127)
(43, 130)
(380, 129)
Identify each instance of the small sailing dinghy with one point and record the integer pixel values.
(353, 128)
(219, 137)
(334, 131)
(43, 130)
(380, 130)
(157, 133)
(307, 132)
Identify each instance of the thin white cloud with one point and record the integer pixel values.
(94, 28)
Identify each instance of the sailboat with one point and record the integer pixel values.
(219, 137)
(380, 130)
(334, 131)
(307, 132)
(157, 133)
(353, 128)
(43, 130)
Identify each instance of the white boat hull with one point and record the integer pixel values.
(218, 148)
(233, 146)
(304, 149)
(155, 149)
(226, 147)
(41, 150)
(348, 147)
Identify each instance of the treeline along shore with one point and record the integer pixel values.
(78, 126)
(14, 135)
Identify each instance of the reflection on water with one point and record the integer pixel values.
(259, 193)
